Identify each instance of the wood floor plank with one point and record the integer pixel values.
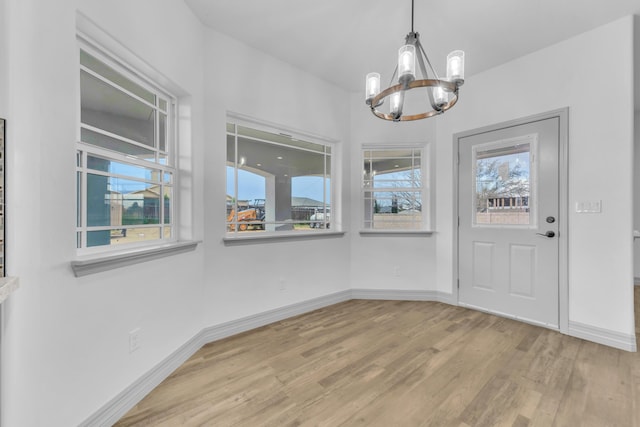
(398, 363)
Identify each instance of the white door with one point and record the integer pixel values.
(508, 188)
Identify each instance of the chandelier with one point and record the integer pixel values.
(442, 93)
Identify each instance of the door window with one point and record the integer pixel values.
(503, 184)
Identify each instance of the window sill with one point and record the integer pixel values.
(411, 233)
(103, 262)
(266, 238)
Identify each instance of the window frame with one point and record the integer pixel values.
(331, 162)
(85, 149)
(425, 190)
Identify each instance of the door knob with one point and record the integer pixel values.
(547, 234)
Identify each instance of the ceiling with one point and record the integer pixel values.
(342, 40)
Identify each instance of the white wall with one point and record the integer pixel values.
(388, 262)
(65, 340)
(600, 158)
(4, 58)
(636, 155)
(636, 189)
(242, 280)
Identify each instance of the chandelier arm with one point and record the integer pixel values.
(393, 77)
(423, 69)
(427, 58)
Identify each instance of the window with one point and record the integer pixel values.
(125, 161)
(503, 187)
(393, 189)
(276, 182)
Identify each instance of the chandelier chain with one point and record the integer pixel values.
(412, 16)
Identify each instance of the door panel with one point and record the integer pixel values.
(508, 185)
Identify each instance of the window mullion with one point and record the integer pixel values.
(235, 182)
(84, 195)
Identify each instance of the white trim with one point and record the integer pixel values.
(227, 329)
(124, 401)
(152, 150)
(117, 407)
(83, 266)
(267, 126)
(393, 146)
(551, 326)
(389, 232)
(402, 295)
(603, 336)
(230, 239)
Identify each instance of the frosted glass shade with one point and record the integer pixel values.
(455, 66)
(396, 104)
(440, 96)
(407, 63)
(372, 86)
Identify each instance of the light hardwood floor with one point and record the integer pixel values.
(389, 363)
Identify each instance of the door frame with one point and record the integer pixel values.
(563, 203)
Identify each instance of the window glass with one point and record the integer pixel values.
(125, 178)
(162, 129)
(107, 108)
(162, 104)
(393, 189)
(99, 67)
(276, 182)
(502, 185)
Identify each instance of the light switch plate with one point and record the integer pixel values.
(589, 206)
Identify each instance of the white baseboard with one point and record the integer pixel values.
(227, 329)
(117, 407)
(603, 336)
(402, 295)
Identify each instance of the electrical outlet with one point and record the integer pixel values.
(134, 340)
(282, 284)
(396, 271)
